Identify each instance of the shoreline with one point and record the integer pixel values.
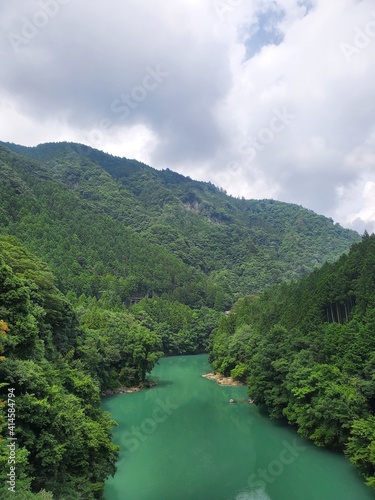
(221, 380)
(127, 390)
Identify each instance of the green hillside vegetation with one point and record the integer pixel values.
(63, 438)
(307, 352)
(60, 360)
(138, 231)
(107, 264)
(89, 251)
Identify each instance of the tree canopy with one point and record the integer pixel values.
(307, 352)
(106, 264)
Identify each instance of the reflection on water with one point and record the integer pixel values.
(252, 495)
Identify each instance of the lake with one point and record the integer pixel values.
(182, 440)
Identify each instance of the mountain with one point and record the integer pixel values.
(106, 264)
(137, 231)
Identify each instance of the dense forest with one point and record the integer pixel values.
(307, 352)
(136, 231)
(107, 264)
(59, 361)
(63, 438)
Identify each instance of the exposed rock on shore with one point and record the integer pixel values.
(125, 390)
(222, 380)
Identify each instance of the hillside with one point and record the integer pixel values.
(140, 231)
(107, 264)
(63, 439)
(307, 352)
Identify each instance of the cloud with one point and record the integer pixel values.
(199, 87)
(356, 204)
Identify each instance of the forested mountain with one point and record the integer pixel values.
(135, 231)
(106, 264)
(62, 438)
(307, 352)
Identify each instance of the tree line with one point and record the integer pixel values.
(112, 230)
(60, 353)
(307, 352)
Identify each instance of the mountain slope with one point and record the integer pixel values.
(63, 438)
(114, 232)
(236, 247)
(89, 251)
(307, 352)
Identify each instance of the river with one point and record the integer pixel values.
(182, 440)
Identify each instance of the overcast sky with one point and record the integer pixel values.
(266, 99)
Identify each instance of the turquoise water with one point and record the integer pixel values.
(182, 440)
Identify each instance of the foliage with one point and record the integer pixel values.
(143, 262)
(63, 438)
(307, 351)
(116, 348)
(182, 330)
(59, 362)
(137, 232)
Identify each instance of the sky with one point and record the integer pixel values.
(265, 99)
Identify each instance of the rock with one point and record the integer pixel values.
(128, 390)
(222, 380)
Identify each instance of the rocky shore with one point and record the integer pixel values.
(125, 390)
(221, 380)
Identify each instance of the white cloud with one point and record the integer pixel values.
(356, 205)
(212, 114)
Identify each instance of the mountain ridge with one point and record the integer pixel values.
(146, 261)
(236, 246)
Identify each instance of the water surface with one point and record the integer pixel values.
(182, 440)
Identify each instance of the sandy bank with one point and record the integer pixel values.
(125, 390)
(222, 380)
